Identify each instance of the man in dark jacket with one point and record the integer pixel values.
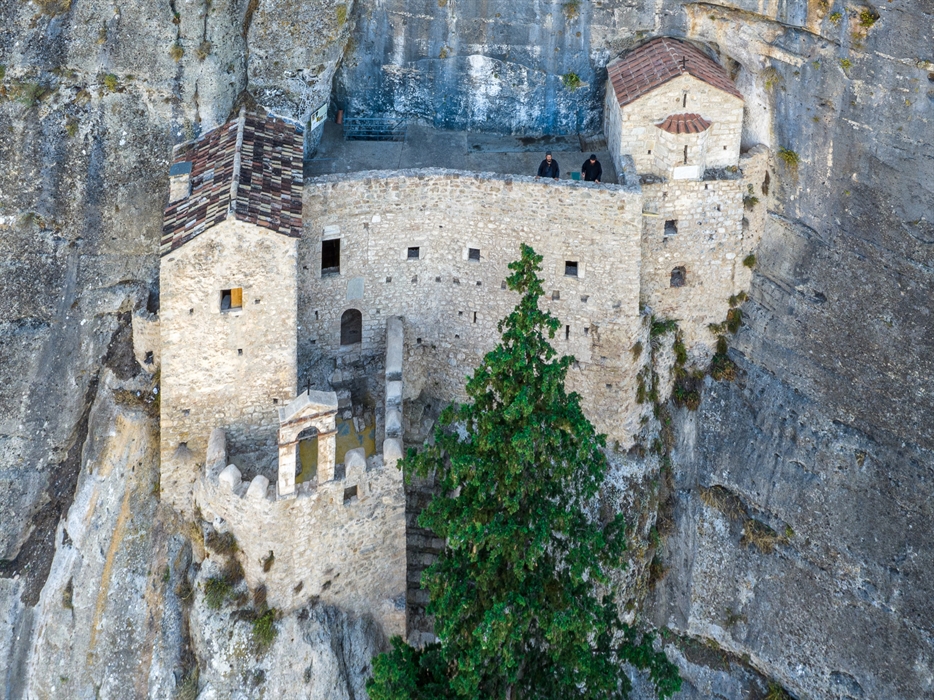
(591, 169)
(549, 167)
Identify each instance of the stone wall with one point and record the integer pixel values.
(631, 129)
(714, 235)
(452, 303)
(342, 542)
(230, 369)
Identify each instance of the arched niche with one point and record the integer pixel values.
(351, 327)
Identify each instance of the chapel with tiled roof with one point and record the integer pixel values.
(660, 60)
(249, 169)
(673, 109)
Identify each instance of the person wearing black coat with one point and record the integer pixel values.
(549, 167)
(591, 169)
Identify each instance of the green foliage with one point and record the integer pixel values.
(522, 597)
(2, 71)
(776, 692)
(662, 326)
(734, 319)
(571, 9)
(28, 93)
(749, 199)
(750, 261)
(759, 535)
(406, 673)
(722, 368)
(686, 394)
(221, 543)
(176, 51)
(111, 82)
(636, 350)
(264, 629)
(341, 15)
(71, 127)
(68, 595)
(188, 688)
(53, 7)
(216, 591)
(771, 78)
(846, 63)
(681, 352)
(835, 17)
(204, 50)
(789, 158)
(571, 81)
(867, 18)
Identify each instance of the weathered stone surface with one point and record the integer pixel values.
(319, 652)
(392, 451)
(230, 477)
(258, 488)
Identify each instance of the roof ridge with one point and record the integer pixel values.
(237, 162)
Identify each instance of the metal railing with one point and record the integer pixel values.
(374, 128)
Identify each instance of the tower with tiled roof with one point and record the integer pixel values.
(674, 109)
(228, 294)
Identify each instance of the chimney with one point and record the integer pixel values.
(179, 181)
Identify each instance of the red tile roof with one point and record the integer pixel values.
(257, 157)
(658, 61)
(684, 124)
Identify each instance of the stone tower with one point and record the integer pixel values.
(676, 112)
(228, 296)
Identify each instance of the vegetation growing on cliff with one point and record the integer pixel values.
(523, 601)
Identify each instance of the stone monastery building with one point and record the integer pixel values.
(297, 316)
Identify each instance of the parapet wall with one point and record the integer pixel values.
(343, 542)
(451, 302)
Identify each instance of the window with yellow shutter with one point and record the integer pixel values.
(231, 299)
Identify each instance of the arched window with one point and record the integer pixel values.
(678, 276)
(351, 327)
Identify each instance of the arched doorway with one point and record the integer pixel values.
(351, 327)
(306, 456)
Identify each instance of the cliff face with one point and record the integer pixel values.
(826, 438)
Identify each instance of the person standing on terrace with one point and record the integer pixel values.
(591, 169)
(549, 167)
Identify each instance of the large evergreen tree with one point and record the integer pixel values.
(523, 602)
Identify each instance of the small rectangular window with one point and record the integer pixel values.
(413, 253)
(570, 268)
(231, 299)
(671, 227)
(331, 257)
(350, 494)
(473, 254)
(685, 155)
